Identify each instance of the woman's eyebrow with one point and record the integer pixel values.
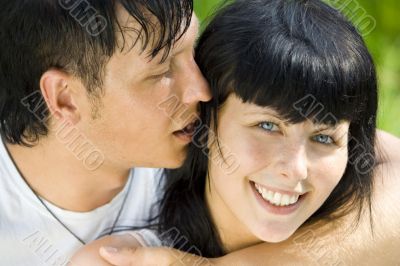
(322, 127)
(263, 112)
(267, 112)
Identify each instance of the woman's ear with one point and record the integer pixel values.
(57, 88)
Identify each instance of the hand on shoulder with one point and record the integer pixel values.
(89, 254)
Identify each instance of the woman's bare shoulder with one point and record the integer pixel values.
(387, 177)
(381, 245)
(387, 173)
(387, 148)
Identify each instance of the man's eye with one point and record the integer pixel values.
(163, 75)
(268, 126)
(324, 139)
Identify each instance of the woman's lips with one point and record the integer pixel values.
(272, 208)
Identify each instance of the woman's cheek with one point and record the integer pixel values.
(329, 172)
(252, 154)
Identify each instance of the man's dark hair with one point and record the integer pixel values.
(75, 36)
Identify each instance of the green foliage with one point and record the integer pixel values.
(378, 22)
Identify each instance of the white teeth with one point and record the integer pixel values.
(276, 198)
(285, 200)
(270, 195)
(293, 199)
(263, 193)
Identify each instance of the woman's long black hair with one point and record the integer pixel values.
(275, 53)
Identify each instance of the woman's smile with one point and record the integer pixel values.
(277, 202)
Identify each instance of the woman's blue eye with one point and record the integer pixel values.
(324, 139)
(268, 126)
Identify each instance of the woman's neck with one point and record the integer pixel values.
(234, 235)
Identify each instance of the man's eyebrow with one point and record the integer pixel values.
(196, 39)
(161, 66)
(157, 60)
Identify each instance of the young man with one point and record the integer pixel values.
(85, 87)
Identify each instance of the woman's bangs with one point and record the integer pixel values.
(299, 83)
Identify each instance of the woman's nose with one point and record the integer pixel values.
(293, 163)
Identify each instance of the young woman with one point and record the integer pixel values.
(294, 109)
(288, 139)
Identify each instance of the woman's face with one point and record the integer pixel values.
(284, 171)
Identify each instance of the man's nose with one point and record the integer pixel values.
(195, 86)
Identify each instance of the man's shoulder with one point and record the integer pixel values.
(148, 181)
(148, 175)
(148, 172)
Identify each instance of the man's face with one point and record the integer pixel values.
(146, 104)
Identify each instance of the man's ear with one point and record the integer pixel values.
(58, 92)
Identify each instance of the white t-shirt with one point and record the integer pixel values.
(30, 235)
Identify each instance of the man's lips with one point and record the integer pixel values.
(189, 127)
(187, 132)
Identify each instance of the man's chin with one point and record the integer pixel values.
(175, 165)
(178, 160)
(173, 159)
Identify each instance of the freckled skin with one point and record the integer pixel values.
(285, 159)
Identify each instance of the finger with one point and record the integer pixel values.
(118, 257)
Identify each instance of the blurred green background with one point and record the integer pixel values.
(378, 21)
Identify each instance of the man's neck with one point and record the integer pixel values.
(57, 175)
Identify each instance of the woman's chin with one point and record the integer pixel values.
(275, 239)
(276, 235)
